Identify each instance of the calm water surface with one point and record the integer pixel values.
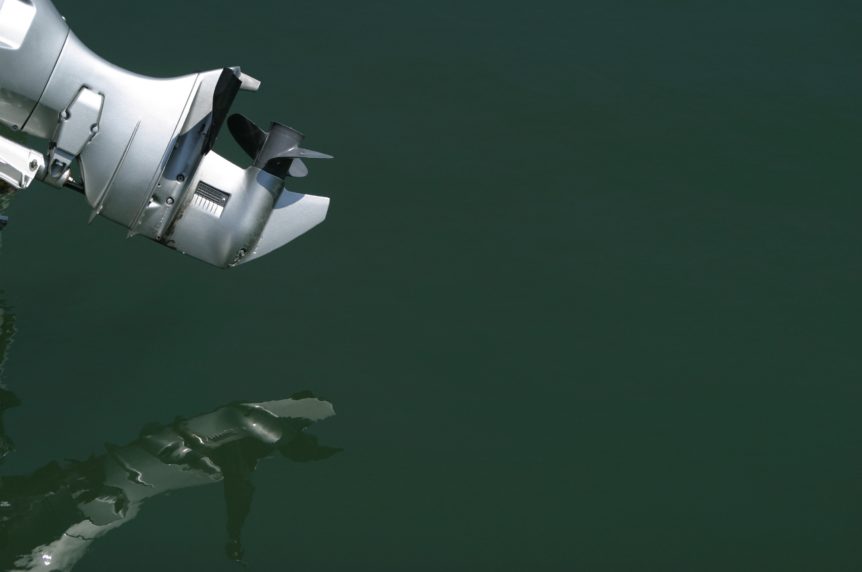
(587, 298)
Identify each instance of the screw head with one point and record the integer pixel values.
(170, 200)
(33, 165)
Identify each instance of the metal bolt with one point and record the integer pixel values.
(33, 165)
(181, 177)
(170, 200)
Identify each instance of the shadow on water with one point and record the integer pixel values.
(49, 518)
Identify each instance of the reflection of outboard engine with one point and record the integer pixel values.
(48, 519)
(144, 145)
(7, 332)
(7, 398)
(5, 195)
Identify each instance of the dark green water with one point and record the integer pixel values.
(587, 297)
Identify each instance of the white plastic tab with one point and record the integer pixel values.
(19, 165)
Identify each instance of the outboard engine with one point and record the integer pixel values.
(144, 145)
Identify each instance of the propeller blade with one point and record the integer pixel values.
(283, 166)
(309, 154)
(297, 169)
(248, 135)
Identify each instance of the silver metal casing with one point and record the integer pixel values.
(143, 144)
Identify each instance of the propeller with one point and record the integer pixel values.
(276, 151)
